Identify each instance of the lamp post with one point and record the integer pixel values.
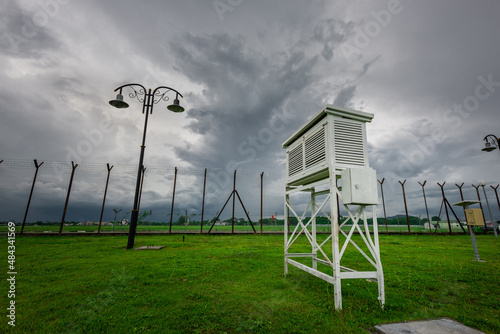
(148, 99)
(491, 143)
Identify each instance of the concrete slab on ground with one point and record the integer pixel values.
(437, 326)
(149, 247)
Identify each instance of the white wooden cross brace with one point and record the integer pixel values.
(304, 229)
(300, 219)
(361, 213)
(300, 223)
(309, 237)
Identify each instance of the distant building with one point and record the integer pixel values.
(433, 226)
(443, 224)
(221, 223)
(90, 223)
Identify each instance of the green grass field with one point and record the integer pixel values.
(235, 284)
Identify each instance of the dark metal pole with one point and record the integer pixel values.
(496, 194)
(173, 198)
(244, 209)
(439, 216)
(445, 206)
(478, 197)
(489, 211)
(456, 217)
(461, 193)
(406, 207)
(220, 212)
(147, 107)
(234, 200)
(104, 198)
(31, 193)
(261, 198)
(140, 191)
(73, 165)
(383, 202)
(203, 201)
(425, 201)
(462, 198)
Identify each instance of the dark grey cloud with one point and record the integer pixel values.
(331, 33)
(243, 91)
(345, 96)
(367, 66)
(24, 32)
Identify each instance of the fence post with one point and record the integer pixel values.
(104, 198)
(73, 165)
(383, 202)
(462, 198)
(489, 211)
(425, 201)
(31, 193)
(203, 200)
(173, 198)
(406, 207)
(496, 194)
(261, 198)
(234, 199)
(445, 207)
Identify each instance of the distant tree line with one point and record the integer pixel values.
(181, 220)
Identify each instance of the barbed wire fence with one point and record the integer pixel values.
(71, 197)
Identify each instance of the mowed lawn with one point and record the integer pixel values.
(235, 284)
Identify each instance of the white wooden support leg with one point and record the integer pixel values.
(285, 231)
(380, 272)
(335, 243)
(313, 228)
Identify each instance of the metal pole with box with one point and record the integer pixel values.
(474, 217)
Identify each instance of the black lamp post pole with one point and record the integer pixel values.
(148, 99)
(146, 108)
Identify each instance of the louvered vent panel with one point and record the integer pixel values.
(349, 143)
(295, 160)
(314, 148)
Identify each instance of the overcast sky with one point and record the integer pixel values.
(251, 72)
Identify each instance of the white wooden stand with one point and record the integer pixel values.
(329, 253)
(331, 144)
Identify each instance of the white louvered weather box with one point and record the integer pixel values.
(331, 146)
(336, 134)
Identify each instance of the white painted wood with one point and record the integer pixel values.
(358, 274)
(300, 254)
(314, 243)
(333, 140)
(310, 270)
